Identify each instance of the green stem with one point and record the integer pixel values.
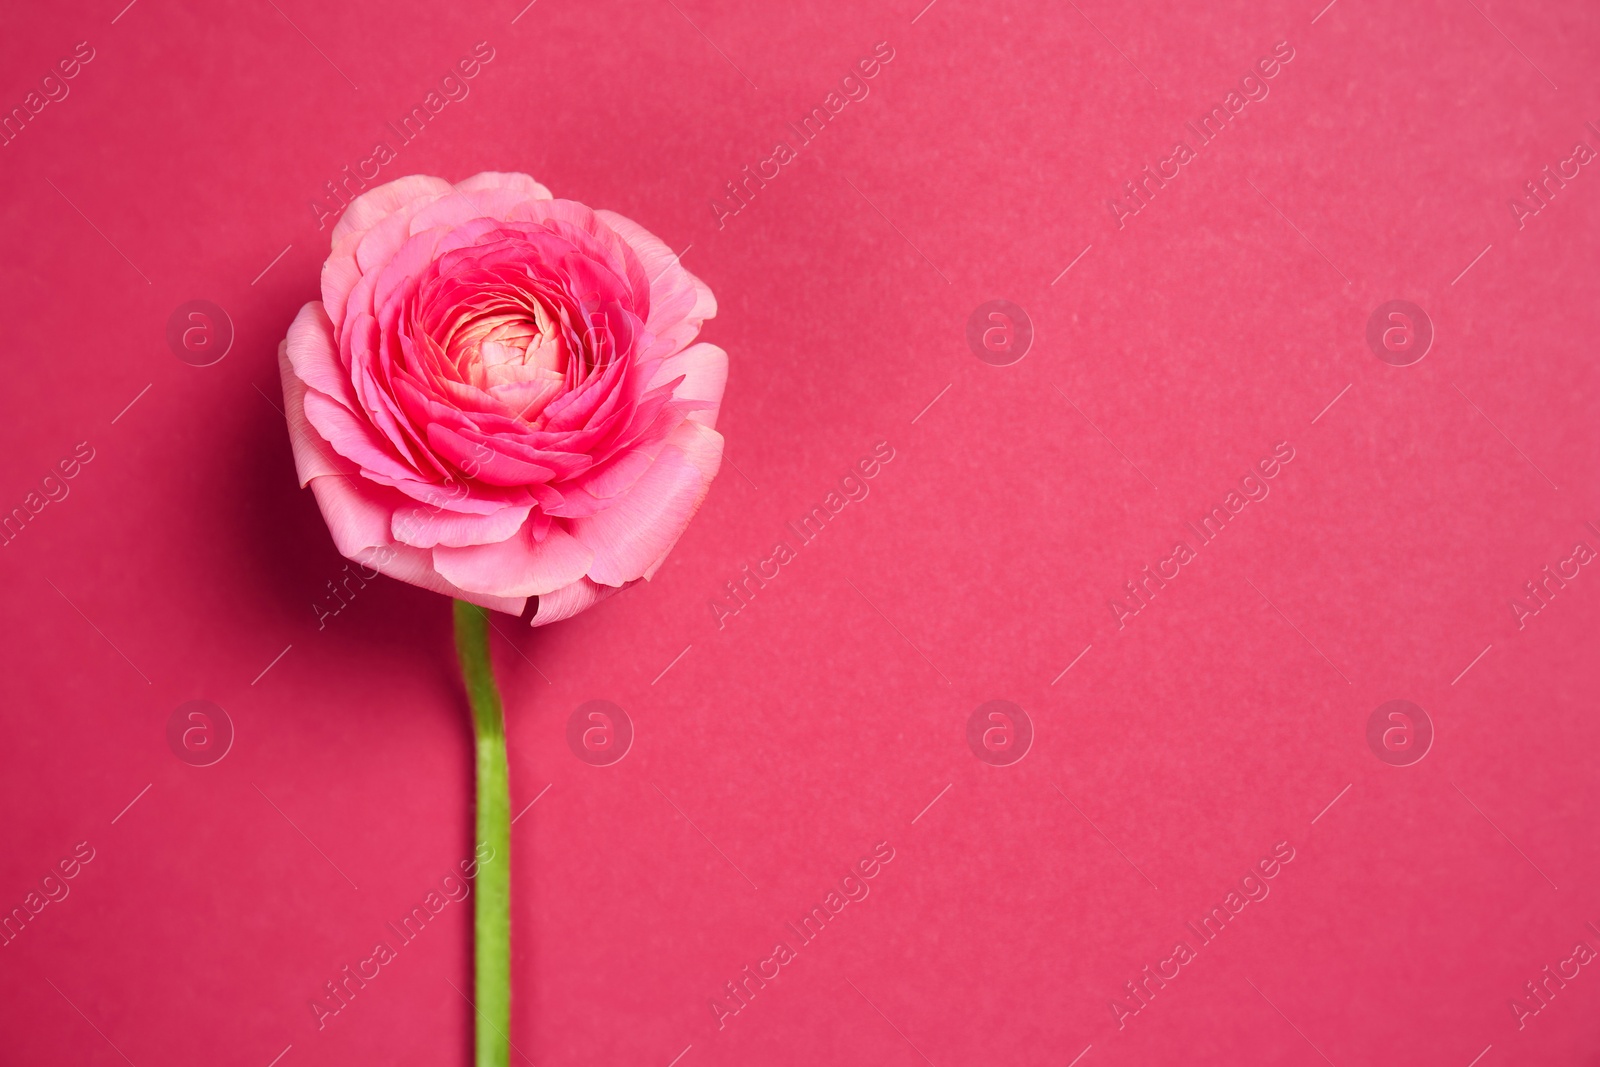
(492, 918)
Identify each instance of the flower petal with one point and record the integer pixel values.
(312, 456)
(501, 179)
(352, 437)
(703, 448)
(372, 206)
(425, 527)
(340, 273)
(633, 535)
(519, 566)
(704, 369)
(355, 510)
(314, 354)
(679, 302)
(571, 599)
(415, 565)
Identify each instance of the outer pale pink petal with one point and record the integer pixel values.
(415, 565)
(357, 516)
(701, 445)
(517, 566)
(571, 599)
(703, 448)
(425, 527)
(679, 302)
(704, 369)
(456, 497)
(633, 535)
(356, 511)
(340, 273)
(387, 236)
(616, 477)
(312, 455)
(352, 437)
(368, 209)
(502, 179)
(463, 206)
(314, 354)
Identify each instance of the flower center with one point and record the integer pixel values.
(506, 347)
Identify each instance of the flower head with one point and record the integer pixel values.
(500, 396)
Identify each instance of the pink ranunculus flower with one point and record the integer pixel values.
(500, 396)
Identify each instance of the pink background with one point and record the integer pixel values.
(827, 714)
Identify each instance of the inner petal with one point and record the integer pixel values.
(516, 341)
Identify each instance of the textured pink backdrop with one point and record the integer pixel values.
(774, 751)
